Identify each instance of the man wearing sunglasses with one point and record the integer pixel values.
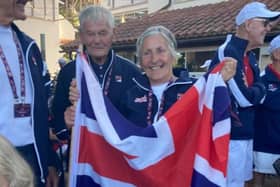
(247, 90)
(23, 99)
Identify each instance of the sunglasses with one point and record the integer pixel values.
(266, 22)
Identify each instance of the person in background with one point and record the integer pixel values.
(267, 122)
(61, 62)
(23, 100)
(14, 171)
(253, 22)
(114, 72)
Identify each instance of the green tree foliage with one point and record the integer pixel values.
(70, 9)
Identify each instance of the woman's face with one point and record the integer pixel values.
(156, 59)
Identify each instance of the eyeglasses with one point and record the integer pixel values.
(265, 22)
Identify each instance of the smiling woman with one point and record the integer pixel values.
(156, 59)
(155, 91)
(158, 89)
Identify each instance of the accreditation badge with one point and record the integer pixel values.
(22, 110)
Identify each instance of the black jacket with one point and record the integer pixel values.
(243, 98)
(134, 105)
(267, 122)
(120, 80)
(39, 84)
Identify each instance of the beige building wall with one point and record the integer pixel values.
(54, 31)
(43, 18)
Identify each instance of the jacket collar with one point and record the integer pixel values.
(241, 44)
(142, 82)
(23, 38)
(270, 75)
(108, 62)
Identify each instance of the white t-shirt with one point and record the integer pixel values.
(158, 91)
(17, 130)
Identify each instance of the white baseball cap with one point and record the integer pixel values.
(255, 10)
(274, 44)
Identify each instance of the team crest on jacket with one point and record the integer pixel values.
(118, 78)
(272, 87)
(141, 99)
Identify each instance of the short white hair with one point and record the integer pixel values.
(96, 13)
(164, 32)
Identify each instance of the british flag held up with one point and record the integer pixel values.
(188, 146)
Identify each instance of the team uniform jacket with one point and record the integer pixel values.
(267, 124)
(134, 104)
(40, 85)
(243, 98)
(123, 71)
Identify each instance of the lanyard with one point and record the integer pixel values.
(9, 72)
(150, 104)
(107, 84)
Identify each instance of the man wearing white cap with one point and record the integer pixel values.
(247, 90)
(267, 126)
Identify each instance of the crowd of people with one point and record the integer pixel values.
(142, 94)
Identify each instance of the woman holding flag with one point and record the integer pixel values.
(157, 89)
(100, 128)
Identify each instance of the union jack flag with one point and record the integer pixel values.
(188, 146)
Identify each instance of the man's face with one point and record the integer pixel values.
(19, 9)
(257, 29)
(7, 11)
(97, 36)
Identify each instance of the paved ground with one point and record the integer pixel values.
(272, 181)
(269, 181)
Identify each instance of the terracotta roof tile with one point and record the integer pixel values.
(186, 23)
